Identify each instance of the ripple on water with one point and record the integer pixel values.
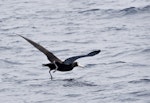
(145, 51)
(88, 11)
(73, 95)
(77, 83)
(3, 48)
(140, 81)
(143, 93)
(11, 62)
(90, 65)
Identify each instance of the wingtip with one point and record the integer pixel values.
(24, 38)
(94, 53)
(21, 36)
(97, 51)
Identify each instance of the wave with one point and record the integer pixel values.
(5, 48)
(90, 10)
(76, 83)
(117, 12)
(134, 10)
(145, 51)
(142, 93)
(3, 61)
(140, 81)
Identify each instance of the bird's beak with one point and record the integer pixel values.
(81, 66)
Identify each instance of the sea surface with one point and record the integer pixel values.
(119, 28)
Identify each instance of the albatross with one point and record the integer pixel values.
(55, 63)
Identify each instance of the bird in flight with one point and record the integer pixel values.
(55, 63)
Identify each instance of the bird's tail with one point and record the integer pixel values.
(45, 64)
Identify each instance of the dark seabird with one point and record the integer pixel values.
(56, 64)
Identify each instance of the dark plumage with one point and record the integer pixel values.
(56, 63)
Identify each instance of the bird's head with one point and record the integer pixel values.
(76, 64)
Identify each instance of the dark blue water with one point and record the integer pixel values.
(119, 74)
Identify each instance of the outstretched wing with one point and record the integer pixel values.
(72, 59)
(51, 57)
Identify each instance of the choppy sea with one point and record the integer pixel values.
(119, 74)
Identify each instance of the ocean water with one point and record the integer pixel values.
(119, 74)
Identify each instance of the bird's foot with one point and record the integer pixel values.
(54, 70)
(50, 75)
(51, 78)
